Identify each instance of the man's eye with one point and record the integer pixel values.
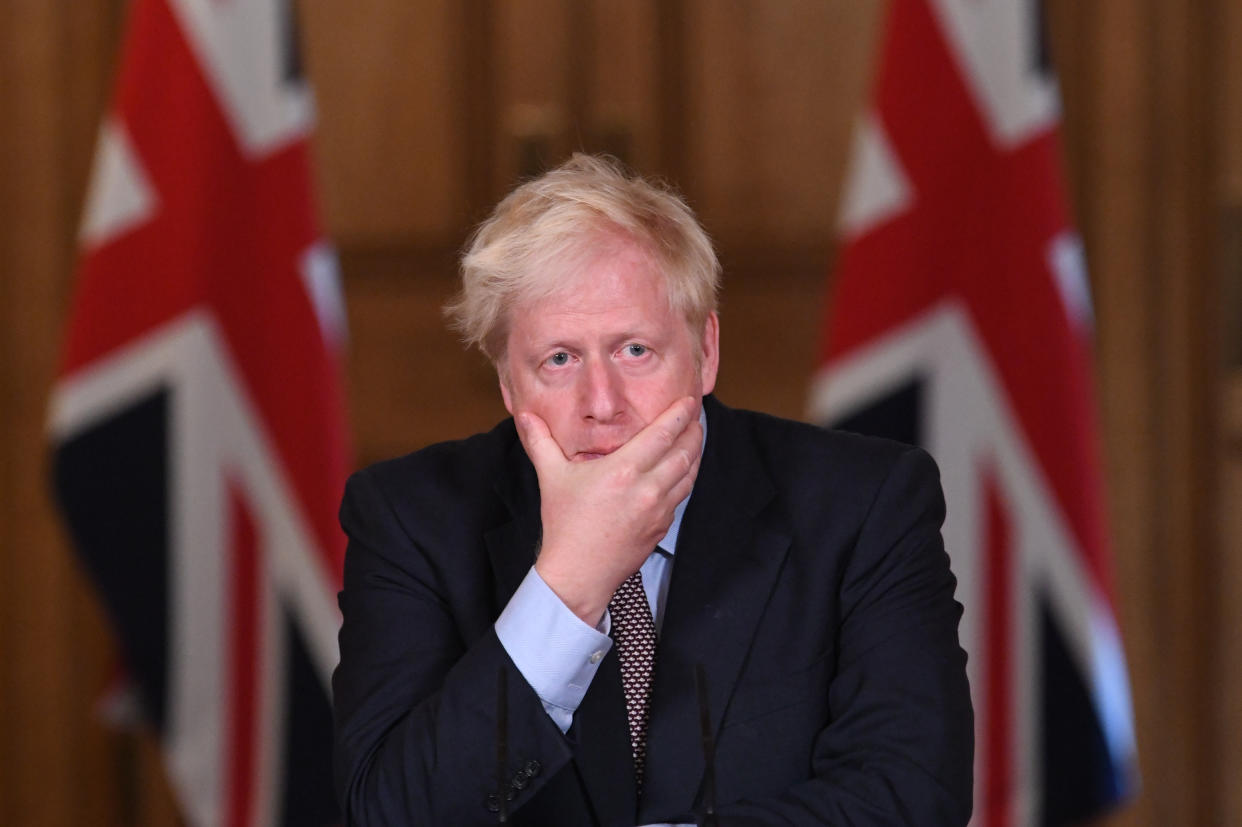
(635, 350)
(559, 359)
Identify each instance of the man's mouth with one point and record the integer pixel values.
(594, 453)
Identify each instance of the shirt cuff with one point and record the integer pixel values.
(555, 651)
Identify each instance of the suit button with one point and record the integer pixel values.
(532, 768)
(520, 781)
(493, 800)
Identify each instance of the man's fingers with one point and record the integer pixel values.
(537, 440)
(682, 487)
(678, 468)
(654, 442)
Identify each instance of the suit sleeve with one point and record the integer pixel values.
(899, 746)
(414, 704)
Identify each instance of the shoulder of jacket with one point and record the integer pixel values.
(475, 457)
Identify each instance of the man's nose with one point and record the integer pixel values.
(602, 392)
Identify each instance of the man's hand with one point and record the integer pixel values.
(601, 518)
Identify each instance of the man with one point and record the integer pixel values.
(802, 571)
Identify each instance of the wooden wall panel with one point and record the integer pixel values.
(1184, 261)
(388, 143)
(1228, 73)
(1227, 676)
(622, 106)
(410, 382)
(1227, 84)
(719, 126)
(773, 91)
(1227, 720)
(769, 332)
(578, 75)
(1112, 157)
(533, 61)
(54, 761)
(1141, 133)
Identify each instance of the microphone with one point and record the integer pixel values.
(708, 817)
(502, 745)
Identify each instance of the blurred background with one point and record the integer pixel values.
(429, 110)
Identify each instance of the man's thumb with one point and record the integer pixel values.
(537, 440)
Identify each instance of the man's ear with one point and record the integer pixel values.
(710, 349)
(504, 390)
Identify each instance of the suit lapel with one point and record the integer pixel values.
(511, 545)
(723, 573)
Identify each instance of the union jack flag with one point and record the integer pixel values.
(962, 321)
(198, 419)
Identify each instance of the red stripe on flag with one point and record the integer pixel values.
(998, 631)
(244, 664)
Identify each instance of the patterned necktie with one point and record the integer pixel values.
(635, 635)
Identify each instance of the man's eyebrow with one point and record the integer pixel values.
(556, 343)
(654, 333)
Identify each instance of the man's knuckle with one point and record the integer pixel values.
(623, 476)
(687, 461)
(648, 496)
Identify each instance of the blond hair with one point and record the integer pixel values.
(563, 214)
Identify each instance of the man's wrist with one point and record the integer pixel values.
(555, 651)
(587, 600)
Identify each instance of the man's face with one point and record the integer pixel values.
(600, 359)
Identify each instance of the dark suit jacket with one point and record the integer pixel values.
(810, 580)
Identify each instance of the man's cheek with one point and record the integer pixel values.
(563, 439)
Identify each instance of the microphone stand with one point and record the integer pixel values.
(502, 745)
(708, 817)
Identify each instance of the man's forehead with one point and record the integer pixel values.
(607, 313)
(570, 315)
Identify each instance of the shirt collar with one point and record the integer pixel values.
(669, 544)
